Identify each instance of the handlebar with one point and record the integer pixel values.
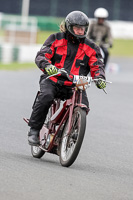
(89, 79)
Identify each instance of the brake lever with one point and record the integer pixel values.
(61, 72)
(103, 88)
(53, 75)
(105, 91)
(65, 74)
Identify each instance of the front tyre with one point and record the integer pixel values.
(71, 144)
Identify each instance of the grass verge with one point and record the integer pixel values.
(17, 66)
(122, 48)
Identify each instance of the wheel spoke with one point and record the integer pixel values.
(69, 142)
(36, 149)
(72, 141)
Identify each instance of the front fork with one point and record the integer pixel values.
(71, 112)
(76, 97)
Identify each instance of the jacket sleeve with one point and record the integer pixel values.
(43, 57)
(89, 34)
(110, 38)
(96, 64)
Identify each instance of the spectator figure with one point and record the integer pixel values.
(100, 32)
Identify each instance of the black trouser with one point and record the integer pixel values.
(106, 55)
(48, 92)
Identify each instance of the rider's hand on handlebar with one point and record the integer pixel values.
(101, 83)
(51, 69)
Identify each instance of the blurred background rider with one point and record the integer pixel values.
(100, 32)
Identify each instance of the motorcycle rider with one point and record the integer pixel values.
(100, 32)
(71, 50)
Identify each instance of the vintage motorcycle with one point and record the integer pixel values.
(65, 124)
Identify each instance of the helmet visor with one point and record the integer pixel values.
(79, 31)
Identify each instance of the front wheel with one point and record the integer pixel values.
(71, 144)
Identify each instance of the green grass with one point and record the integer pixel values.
(1, 33)
(122, 48)
(43, 35)
(17, 66)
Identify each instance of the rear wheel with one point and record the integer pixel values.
(71, 144)
(37, 152)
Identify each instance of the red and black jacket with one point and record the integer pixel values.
(76, 58)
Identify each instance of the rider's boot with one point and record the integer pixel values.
(33, 137)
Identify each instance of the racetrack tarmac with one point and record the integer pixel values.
(104, 167)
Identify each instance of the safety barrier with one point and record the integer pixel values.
(18, 53)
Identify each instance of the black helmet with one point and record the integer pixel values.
(76, 18)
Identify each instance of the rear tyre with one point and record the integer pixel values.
(37, 152)
(71, 144)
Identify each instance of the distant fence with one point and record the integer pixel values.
(118, 9)
(19, 29)
(120, 29)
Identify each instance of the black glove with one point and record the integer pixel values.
(51, 69)
(101, 83)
